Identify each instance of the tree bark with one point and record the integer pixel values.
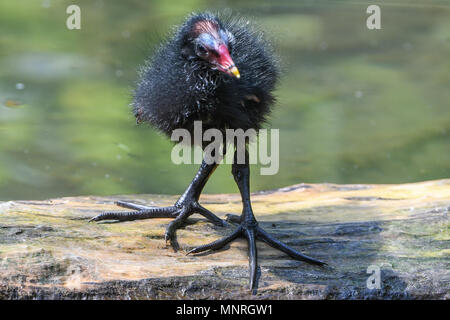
(49, 251)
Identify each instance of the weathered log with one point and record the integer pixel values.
(49, 251)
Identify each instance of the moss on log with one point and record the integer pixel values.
(49, 251)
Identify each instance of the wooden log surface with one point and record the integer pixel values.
(49, 251)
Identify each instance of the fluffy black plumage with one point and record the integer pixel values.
(176, 87)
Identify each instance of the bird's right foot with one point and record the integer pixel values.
(179, 212)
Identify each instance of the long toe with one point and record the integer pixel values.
(216, 245)
(170, 234)
(133, 206)
(252, 256)
(210, 216)
(264, 236)
(163, 212)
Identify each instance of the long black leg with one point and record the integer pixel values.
(249, 226)
(185, 206)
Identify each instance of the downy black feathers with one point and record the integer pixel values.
(177, 88)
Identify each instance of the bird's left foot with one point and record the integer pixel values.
(179, 212)
(251, 231)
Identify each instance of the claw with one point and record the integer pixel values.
(170, 232)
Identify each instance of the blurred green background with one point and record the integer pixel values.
(354, 105)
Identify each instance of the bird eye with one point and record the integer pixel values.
(201, 51)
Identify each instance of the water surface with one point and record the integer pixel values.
(354, 105)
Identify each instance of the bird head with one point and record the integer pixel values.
(211, 43)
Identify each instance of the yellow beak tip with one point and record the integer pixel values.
(235, 72)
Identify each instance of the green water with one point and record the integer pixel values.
(354, 105)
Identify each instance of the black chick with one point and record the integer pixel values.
(193, 77)
(220, 71)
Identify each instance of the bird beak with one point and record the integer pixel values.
(225, 63)
(235, 72)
